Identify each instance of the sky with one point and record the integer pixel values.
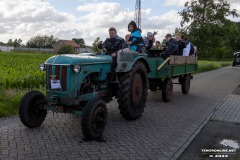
(87, 19)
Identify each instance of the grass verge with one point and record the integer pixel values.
(204, 66)
(10, 100)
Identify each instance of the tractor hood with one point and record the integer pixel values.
(79, 59)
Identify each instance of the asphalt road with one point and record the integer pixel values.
(163, 132)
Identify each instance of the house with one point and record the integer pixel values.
(61, 43)
(86, 49)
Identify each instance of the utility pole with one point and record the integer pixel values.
(137, 16)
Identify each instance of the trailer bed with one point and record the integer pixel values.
(172, 66)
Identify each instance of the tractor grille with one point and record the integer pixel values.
(58, 73)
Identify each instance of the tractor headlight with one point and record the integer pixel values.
(42, 66)
(76, 68)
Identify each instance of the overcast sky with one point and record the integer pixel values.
(88, 19)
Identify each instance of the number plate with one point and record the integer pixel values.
(55, 84)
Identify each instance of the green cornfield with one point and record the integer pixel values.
(21, 70)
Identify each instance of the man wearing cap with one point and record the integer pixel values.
(149, 40)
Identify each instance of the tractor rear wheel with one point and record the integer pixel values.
(167, 90)
(132, 92)
(31, 110)
(186, 80)
(94, 119)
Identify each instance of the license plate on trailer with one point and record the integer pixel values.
(55, 84)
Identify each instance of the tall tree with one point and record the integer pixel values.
(15, 43)
(80, 42)
(40, 41)
(95, 47)
(204, 21)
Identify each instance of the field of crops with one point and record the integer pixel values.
(21, 70)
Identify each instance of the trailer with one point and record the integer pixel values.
(163, 71)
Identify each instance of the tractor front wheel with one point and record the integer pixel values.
(31, 110)
(94, 119)
(132, 92)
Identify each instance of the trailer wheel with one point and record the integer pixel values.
(132, 92)
(30, 112)
(186, 80)
(94, 119)
(167, 90)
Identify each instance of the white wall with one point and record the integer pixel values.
(6, 48)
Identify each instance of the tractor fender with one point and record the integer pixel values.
(126, 66)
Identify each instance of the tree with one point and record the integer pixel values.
(233, 35)
(15, 43)
(66, 49)
(204, 22)
(95, 47)
(39, 41)
(80, 42)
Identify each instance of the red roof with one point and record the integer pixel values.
(72, 43)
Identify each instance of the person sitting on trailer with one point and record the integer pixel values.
(157, 45)
(172, 46)
(181, 44)
(149, 40)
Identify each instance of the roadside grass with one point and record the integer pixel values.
(204, 65)
(10, 98)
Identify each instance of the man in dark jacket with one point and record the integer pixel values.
(113, 44)
(172, 46)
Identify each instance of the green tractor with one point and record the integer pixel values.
(82, 84)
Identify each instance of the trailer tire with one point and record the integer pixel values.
(167, 90)
(132, 92)
(29, 112)
(186, 83)
(94, 119)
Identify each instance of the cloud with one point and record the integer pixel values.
(174, 2)
(27, 18)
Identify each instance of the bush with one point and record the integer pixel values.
(66, 49)
(219, 54)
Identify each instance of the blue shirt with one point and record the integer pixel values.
(136, 38)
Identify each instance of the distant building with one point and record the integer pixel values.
(61, 43)
(6, 48)
(87, 49)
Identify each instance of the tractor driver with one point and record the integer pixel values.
(112, 45)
